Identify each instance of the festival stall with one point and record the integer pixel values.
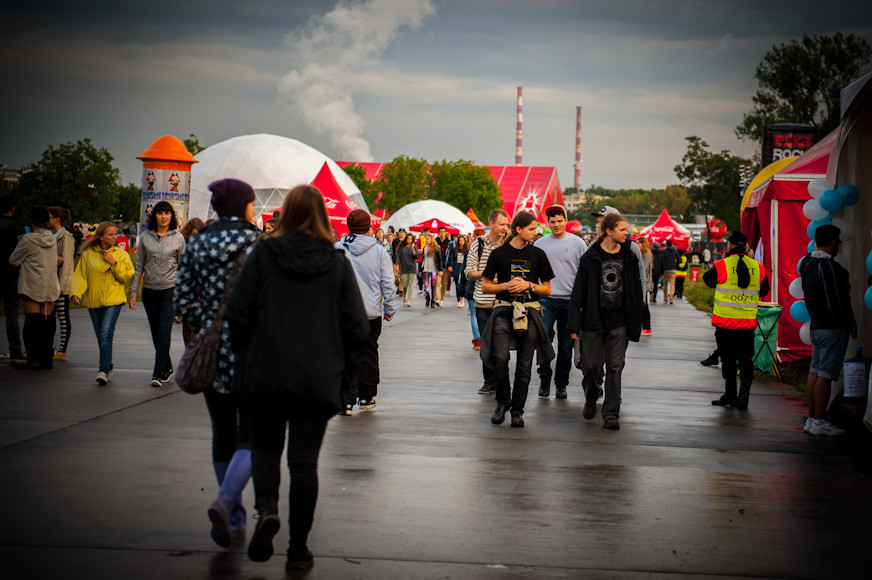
(665, 228)
(773, 220)
(434, 225)
(429, 209)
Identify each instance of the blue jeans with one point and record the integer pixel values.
(104, 320)
(556, 310)
(828, 347)
(473, 320)
(159, 309)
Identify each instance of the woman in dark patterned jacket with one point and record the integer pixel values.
(202, 276)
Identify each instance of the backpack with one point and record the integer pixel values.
(470, 286)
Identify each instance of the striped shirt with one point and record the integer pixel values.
(473, 264)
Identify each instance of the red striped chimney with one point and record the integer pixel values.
(519, 132)
(577, 149)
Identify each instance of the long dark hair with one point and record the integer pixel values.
(406, 242)
(304, 212)
(522, 219)
(461, 248)
(61, 213)
(609, 222)
(162, 206)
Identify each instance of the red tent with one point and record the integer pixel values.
(772, 218)
(665, 228)
(434, 226)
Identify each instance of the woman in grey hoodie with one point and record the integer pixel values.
(57, 221)
(36, 255)
(158, 254)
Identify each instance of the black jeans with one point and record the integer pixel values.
(609, 348)
(230, 425)
(159, 309)
(525, 343)
(364, 382)
(556, 311)
(269, 419)
(9, 294)
(736, 349)
(481, 316)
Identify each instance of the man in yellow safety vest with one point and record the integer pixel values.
(739, 282)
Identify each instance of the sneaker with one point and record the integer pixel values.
(824, 427)
(4, 355)
(487, 389)
(544, 392)
(19, 358)
(299, 559)
(102, 378)
(611, 423)
(166, 377)
(589, 411)
(109, 374)
(460, 303)
(427, 301)
(220, 533)
(476, 344)
(647, 332)
(517, 420)
(366, 404)
(260, 548)
(346, 412)
(808, 423)
(155, 382)
(561, 392)
(60, 356)
(726, 401)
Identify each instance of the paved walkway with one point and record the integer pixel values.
(113, 482)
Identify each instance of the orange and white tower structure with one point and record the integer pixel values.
(577, 149)
(166, 176)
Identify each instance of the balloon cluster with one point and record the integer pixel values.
(819, 209)
(867, 297)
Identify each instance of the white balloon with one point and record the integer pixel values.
(795, 289)
(846, 227)
(817, 186)
(805, 332)
(812, 210)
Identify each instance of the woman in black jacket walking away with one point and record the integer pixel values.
(202, 276)
(606, 310)
(298, 325)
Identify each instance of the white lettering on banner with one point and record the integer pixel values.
(785, 153)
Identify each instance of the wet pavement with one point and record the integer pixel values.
(114, 482)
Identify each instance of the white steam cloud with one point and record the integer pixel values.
(329, 50)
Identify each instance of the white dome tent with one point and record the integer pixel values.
(429, 209)
(272, 165)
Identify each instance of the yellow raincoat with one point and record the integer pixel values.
(96, 283)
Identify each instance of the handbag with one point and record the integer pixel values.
(196, 370)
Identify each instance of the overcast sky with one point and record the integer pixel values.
(435, 79)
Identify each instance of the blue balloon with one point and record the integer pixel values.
(867, 298)
(831, 200)
(869, 263)
(799, 312)
(811, 247)
(850, 194)
(813, 225)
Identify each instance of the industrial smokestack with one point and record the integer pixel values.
(577, 149)
(519, 133)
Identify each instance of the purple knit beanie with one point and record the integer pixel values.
(230, 196)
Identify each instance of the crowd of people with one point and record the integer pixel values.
(257, 287)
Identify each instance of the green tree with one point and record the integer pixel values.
(712, 180)
(192, 144)
(357, 173)
(129, 203)
(402, 181)
(673, 199)
(464, 185)
(78, 176)
(800, 82)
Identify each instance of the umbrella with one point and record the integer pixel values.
(434, 225)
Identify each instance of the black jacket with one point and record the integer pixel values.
(827, 290)
(297, 324)
(10, 231)
(657, 263)
(584, 311)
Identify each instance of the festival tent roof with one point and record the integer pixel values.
(338, 204)
(521, 187)
(434, 226)
(428, 209)
(271, 164)
(773, 220)
(665, 228)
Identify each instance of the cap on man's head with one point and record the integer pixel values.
(358, 221)
(655, 245)
(606, 210)
(553, 210)
(737, 238)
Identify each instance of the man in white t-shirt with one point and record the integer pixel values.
(564, 251)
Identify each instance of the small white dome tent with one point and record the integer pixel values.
(272, 165)
(429, 209)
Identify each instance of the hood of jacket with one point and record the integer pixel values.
(42, 238)
(357, 244)
(300, 256)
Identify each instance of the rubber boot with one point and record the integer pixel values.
(30, 337)
(744, 394)
(235, 480)
(49, 327)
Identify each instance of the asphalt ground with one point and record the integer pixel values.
(114, 482)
